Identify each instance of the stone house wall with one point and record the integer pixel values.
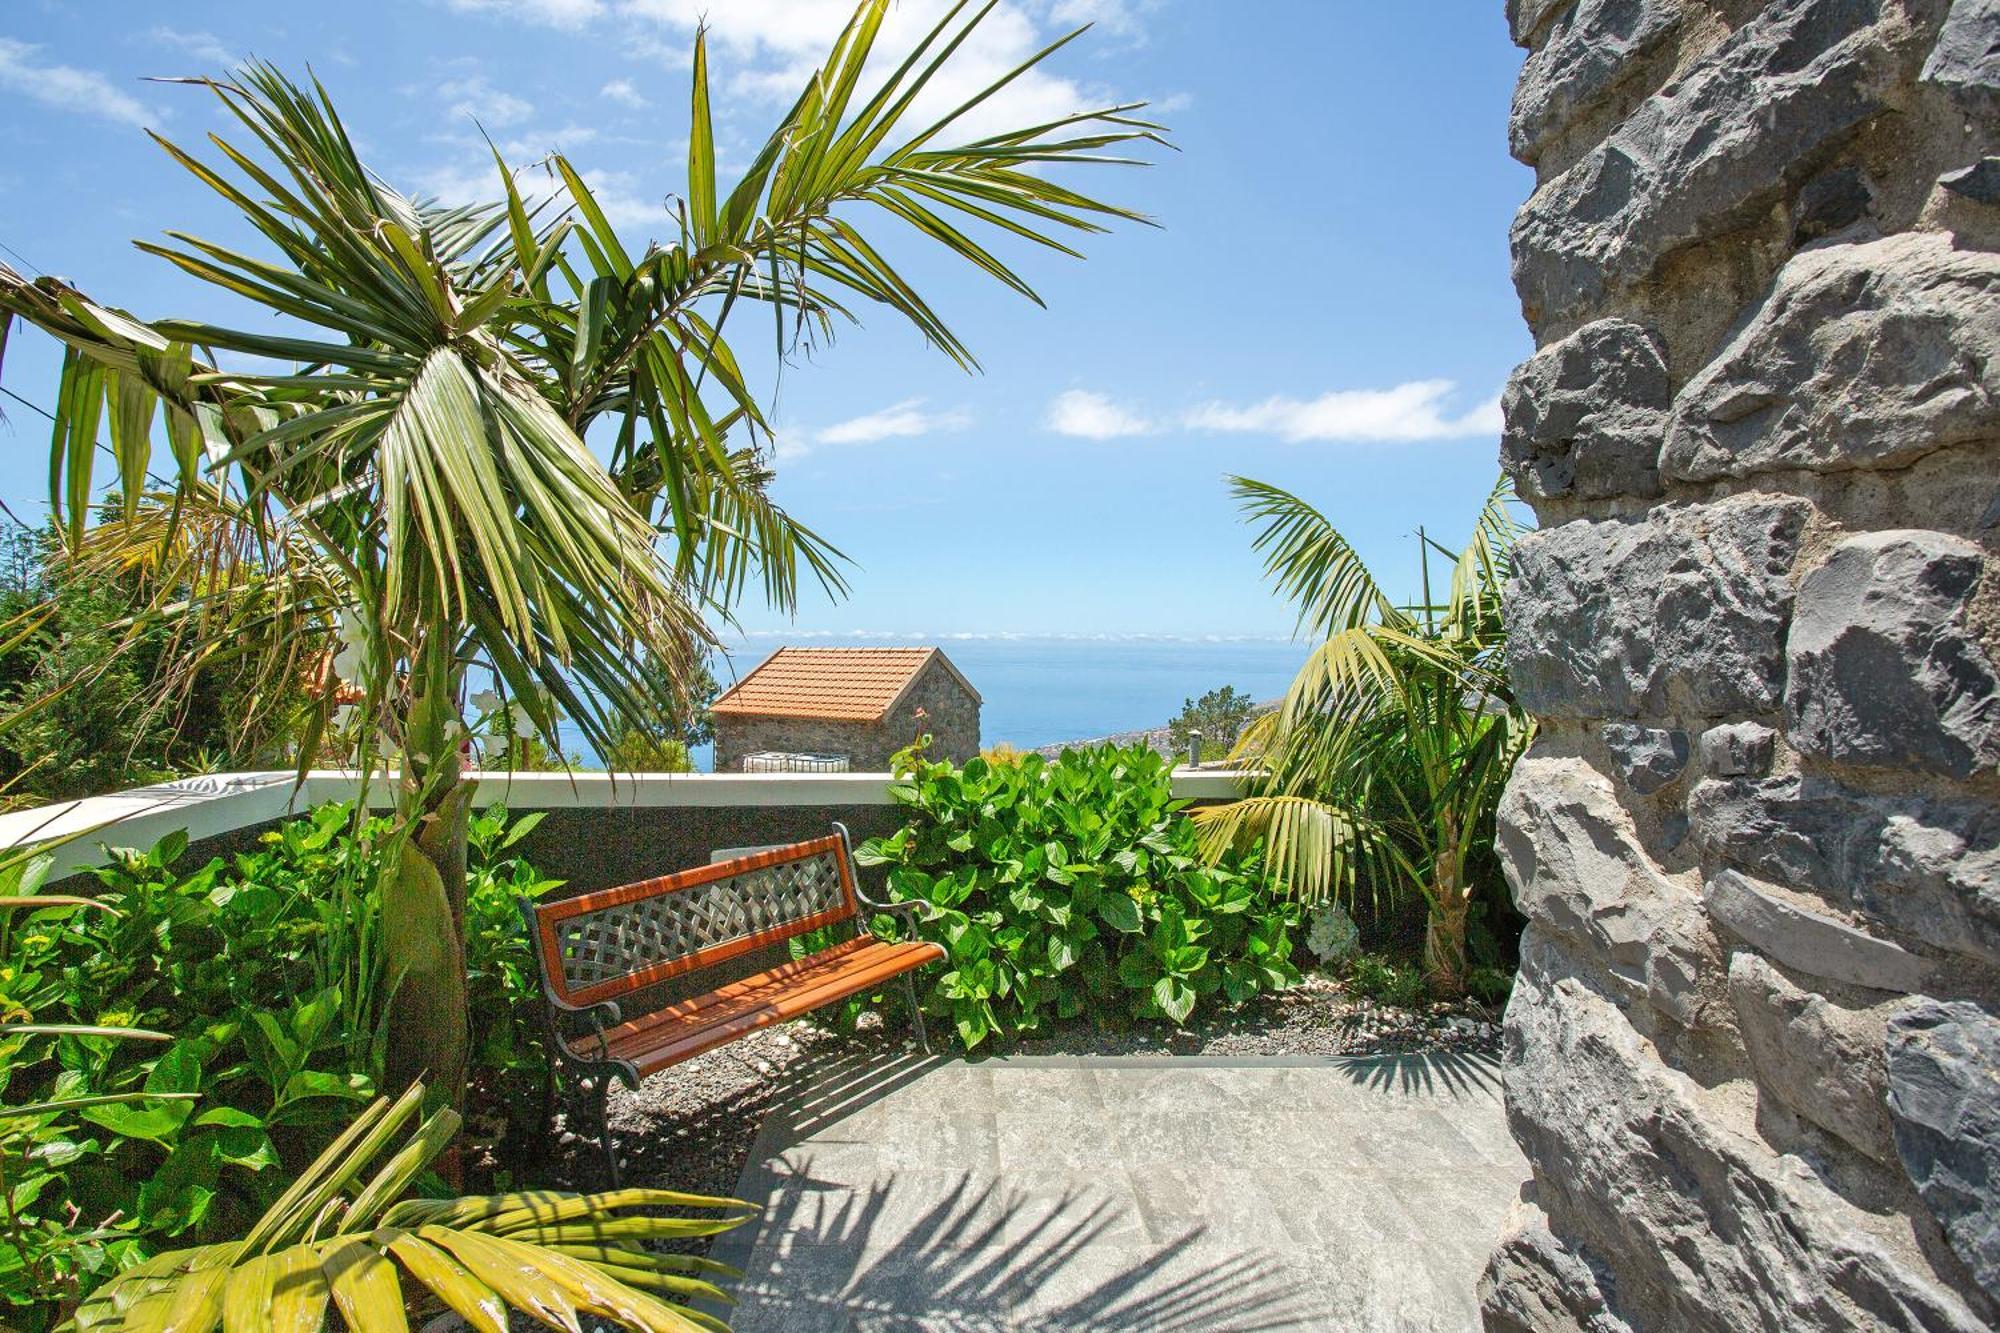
(952, 717)
(1754, 1051)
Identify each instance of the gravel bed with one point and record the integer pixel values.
(690, 1127)
(1316, 1017)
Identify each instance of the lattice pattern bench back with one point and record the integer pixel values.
(602, 945)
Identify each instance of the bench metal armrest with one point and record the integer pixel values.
(604, 1013)
(909, 906)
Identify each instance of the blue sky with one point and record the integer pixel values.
(1326, 304)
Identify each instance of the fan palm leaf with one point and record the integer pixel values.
(343, 1238)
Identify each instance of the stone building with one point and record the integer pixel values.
(861, 703)
(1754, 1051)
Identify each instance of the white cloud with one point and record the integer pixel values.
(1093, 416)
(65, 88)
(775, 45)
(1120, 17)
(475, 180)
(204, 46)
(904, 420)
(476, 98)
(623, 92)
(1412, 411)
(549, 13)
(533, 145)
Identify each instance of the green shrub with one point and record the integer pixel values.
(1218, 715)
(1074, 887)
(509, 1063)
(89, 703)
(1374, 977)
(1491, 985)
(641, 751)
(260, 969)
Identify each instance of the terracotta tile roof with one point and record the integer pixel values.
(836, 684)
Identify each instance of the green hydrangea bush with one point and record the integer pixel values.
(1074, 887)
(250, 979)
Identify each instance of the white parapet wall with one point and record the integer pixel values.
(206, 807)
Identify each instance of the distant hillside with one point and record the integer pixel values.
(1157, 738)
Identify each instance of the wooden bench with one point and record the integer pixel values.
(602, 950)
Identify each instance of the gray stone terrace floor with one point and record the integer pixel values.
(1127, 1193)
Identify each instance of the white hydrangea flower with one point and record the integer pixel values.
(353, 637)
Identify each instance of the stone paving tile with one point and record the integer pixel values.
(962, 1139)
(1128, 1195)
(1489, 1134)
(1443, 1085)
(1221, 1138)
(1454, 1220)
(1200, 1088)
(1041, 1140)
(810, 1288)
(1058, 1092)
(1179, 1201)
(1410, 1139)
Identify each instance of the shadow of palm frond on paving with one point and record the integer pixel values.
(1447, 1073)
(986, 1256)
(963, 1250)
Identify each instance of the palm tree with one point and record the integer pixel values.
(406, 491)
(1384, 764)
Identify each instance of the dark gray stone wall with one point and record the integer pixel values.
(600, 848)
(951, 716)
(737, 736)
(1754, 1052)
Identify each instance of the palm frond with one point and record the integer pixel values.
(1309, 562)
(342, 1237)
(1313, 848)
(1481, 570)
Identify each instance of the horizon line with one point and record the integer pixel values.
(1006, 636)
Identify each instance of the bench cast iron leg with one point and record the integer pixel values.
(551, 1101)
(916, 1011)
(600, 1093)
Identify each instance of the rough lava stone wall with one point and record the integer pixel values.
(1754, 1053)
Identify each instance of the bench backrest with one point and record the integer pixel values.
(602, 945)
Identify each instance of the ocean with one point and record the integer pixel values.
(1045, 690)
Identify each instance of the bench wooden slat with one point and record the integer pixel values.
(680, 1032)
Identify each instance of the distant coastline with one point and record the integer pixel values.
(1156, 738)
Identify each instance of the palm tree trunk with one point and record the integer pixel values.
(423, 898)
(1444, 932)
